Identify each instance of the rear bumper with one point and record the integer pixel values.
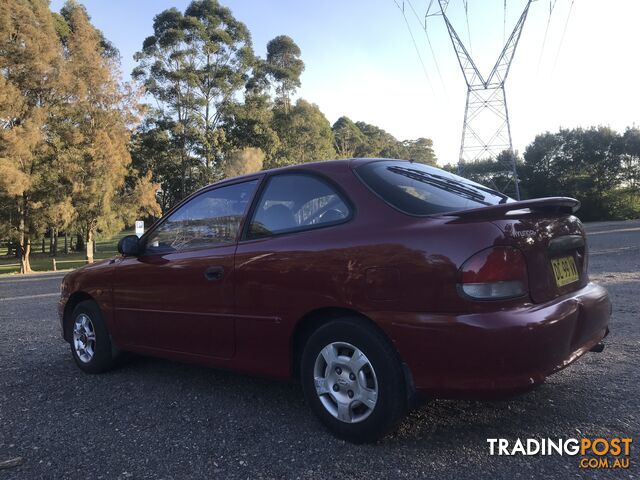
(499, 353)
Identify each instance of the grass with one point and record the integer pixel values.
(43, 262)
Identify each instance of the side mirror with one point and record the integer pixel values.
(129, 246)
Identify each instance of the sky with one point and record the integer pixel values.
(361, 60)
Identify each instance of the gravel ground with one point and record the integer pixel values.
(160, 419)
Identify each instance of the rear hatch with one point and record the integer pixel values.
(552, 239)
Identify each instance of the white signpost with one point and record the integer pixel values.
(139, 228)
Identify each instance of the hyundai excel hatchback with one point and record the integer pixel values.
(374, 282)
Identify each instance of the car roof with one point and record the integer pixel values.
(318, 166)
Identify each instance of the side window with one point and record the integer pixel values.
(293, 202)
(212, 218)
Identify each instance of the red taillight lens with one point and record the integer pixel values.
(494, 273)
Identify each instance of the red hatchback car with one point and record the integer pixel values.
(375, 282)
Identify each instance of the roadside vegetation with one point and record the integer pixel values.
(83, 154)
(597, 165)
(42, 256)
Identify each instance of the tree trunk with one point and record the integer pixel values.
(79, 242)
(44, 238)
(24, 242)
(66, 243)
(25, 251)
(183, 180)
(206, 138)
(89, 246)
(54, 244)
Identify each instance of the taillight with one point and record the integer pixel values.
(495, 273)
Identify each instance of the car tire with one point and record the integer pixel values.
(91, 345)
(353, 380)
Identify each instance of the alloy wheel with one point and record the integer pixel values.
(84, 338)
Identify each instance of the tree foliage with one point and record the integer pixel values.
(305, 135)
(216, 98)
(97, 136)
(347, 137)
(251, 124)
(284, 67)
(30, 84)
(494, 173)
(64, 123)
(193, 65)
(361, 139)
(154, 151)
(598, 166)
(244, 161)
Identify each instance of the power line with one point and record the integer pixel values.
(552, 4)
(564, 31)
(504, 23)
(424, 27)
(466, 14)
(415, 44)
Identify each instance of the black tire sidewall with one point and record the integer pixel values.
(102, 358)
(391, 390)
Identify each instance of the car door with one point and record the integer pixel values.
(178, 294)
(288, 259)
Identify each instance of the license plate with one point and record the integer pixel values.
(565, 271)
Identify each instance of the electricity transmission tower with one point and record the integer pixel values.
(486, 131)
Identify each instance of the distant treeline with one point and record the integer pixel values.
(598, 166)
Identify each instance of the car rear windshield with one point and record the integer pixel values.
(418, 189)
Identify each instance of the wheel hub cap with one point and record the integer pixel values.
(345, 382)
(84, 338)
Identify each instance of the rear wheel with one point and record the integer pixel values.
(353, 380)
(90, 342)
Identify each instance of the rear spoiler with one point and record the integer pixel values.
(548, 205)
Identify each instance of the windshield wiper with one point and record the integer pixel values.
(496, 193)
(440, 182)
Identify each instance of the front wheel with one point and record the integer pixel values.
(353, 380)
(90, 342)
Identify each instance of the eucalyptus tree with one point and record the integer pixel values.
(580, 163)
(419, 150)
(284, 67)
(194, 65)
(163, 66)
(251, 124)
(630, 168)
(305, 135)
(347, 137)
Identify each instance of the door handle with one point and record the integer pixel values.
(214, 273)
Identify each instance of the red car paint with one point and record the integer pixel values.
(399, 271)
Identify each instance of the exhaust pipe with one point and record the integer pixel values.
(597, 348)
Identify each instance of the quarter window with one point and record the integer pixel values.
(294, 202)
(212, 218)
